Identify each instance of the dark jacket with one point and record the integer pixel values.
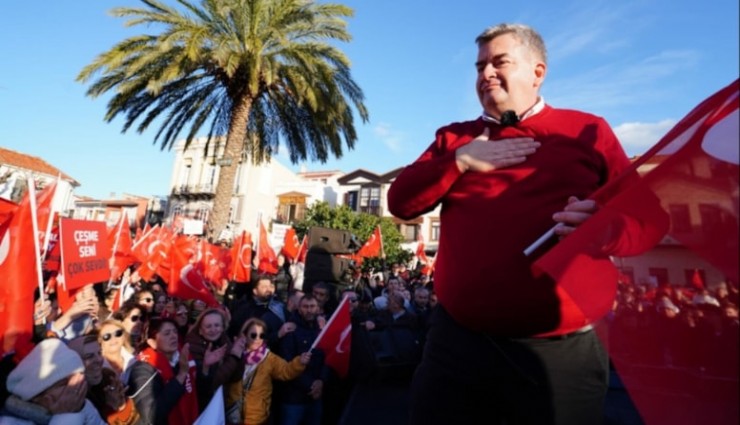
(293, 344)
(152, 397)
(228, 370)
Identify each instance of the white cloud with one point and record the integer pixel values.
(637, 137)
(391, 138)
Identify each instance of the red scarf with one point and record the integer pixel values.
(186, 409)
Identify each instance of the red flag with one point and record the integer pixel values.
(18, 269)
(241, 258)
(53, 257)
(45, 214)
(693, 170)
(697, 281)
(7, 209)
(152, 251)
(120, 243)
(302, 251)
(186, 279)
(215, 262)
(373, 247)
(265, 253)
(291, 247)
(335, 339)
(422, 256)
(140, 248)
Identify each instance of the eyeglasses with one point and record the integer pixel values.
(134, 318)
(182, 313)
(147, 299)
(254, 335)
(108, 336)
(352, 299)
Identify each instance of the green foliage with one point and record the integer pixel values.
(362, 225)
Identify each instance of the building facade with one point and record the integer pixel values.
(269, 191)
(17, 167)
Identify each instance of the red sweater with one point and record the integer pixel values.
(482, 277)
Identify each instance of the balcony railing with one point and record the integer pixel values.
(194, 189)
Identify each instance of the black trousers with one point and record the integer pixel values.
(468, 377)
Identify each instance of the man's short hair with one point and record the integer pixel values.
(525, 34)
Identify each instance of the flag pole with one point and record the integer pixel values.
(115, 246)
(542, 239)
(35, 224)
(329, 322)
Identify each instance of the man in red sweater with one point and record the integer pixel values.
(524, 353)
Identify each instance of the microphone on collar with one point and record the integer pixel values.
(509, 118)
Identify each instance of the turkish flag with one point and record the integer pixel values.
(120, 243)
(373, 247)
(18, 268)
(215, 262)
(265, 253)
(241, 258)
(291, 247)
(186, 278)
(689, 192)
(7, 208)
(302, 251)
(140, 248)
(335, 339)
(153, 251)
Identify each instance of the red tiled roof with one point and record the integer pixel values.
(33, 163)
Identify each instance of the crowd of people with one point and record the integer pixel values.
(157, 359)
(152, 358)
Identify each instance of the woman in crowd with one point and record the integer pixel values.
(160, 302)
(248, 400)
(133, 318)
(162, 382)
(145, 298)
(218, 362)
(182, 318)
(115, 346)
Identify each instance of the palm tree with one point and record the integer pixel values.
(260, 71)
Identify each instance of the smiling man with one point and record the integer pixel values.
(504, 344)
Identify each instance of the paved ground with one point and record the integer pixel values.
(386, 402)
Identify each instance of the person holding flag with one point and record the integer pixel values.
(248, 400)
(520, 350)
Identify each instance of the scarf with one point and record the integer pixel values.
(252, 359)
(186, 409)
(256, 356)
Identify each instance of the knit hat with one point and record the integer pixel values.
(49, 362)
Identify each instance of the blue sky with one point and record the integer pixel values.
(642, 65)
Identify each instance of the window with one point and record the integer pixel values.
(680, 218)
(370, 200)
(660, 274)
(350, 199)
(627, 275)
(202, 214)
(712, 220)
(435, 231)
